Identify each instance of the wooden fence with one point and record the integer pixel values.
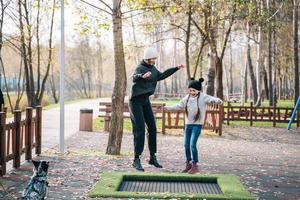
(259, 114)
(106, 109)
(170, 120)
(215, 115)
(176, 119)
(19, 137)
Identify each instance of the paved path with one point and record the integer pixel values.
(50, 126)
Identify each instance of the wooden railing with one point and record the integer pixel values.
(213, 119)
(106, 109)
(259, 114)
(170, 120)
(19, 137)
(215, 115)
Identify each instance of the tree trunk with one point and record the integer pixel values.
(251, 69)
(136, 50)
(24, 54)
(29, 58)
(100, 70)
(187, 43)
(244, 83)
(285, 82)
(246, 86)
(211, 74)
(116, 123)
(266, 86)
(258, 66)
(162, 55)
(230, 69)
(159, 60)
(53, 86)
(174, 89)
(40, 93)
(270, 54)
(227, 81)
(275, 64)
(296, 52)
(219, 77)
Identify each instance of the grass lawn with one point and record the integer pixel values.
(259, 124)
(98, 124)
(55, 105)
(110, 183)
(280, 103)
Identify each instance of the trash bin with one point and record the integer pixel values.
(86, 120)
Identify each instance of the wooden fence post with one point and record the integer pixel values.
(251, 113)
(221, 114)
(28, 134)
(17, 138)
(38, 135)
(163, 120)
(2, 143)
(274, 115)
(228, 108)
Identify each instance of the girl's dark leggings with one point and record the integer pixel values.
(141, 113)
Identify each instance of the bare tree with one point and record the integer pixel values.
(244, 83)
(99, 64)
(53, 86)
(35, 88)
(3, 8)
(116, 125)
(270, 54)
(296, 51)
(20, 84)
(250, 64)
(258, 65)
(212, 24)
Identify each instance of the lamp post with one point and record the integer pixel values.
(61, 81)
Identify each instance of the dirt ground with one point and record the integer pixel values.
(267, 161)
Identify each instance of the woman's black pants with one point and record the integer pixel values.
(141, 113)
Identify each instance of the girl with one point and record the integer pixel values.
(195, 107)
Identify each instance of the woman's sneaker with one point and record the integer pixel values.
(153, 161)
(137, 164)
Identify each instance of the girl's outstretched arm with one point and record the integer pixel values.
(210, 99)
(179, 106)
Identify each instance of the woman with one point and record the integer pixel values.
(145, 79)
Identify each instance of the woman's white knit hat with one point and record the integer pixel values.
(149, 53)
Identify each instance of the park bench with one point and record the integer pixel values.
(106, 109)
(235, 97)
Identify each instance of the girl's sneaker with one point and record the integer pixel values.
(194, 169)
(188, 166)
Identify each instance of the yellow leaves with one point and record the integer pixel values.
(173, 10)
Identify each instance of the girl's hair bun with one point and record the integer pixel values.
(201, 80)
